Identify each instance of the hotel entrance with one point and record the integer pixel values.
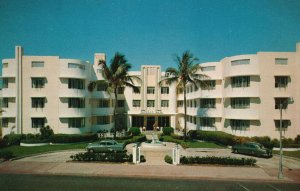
(150, 121)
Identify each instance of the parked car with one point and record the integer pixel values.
(252, 148)
(105, 146)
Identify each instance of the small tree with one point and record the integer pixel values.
(46, 132)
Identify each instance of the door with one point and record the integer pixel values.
(150, 123)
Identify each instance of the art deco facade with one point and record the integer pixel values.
(242, 96)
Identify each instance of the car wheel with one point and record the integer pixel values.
(234, 150)
(91, 150)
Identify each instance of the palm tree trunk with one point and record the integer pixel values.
(115, 113)
(184, 102)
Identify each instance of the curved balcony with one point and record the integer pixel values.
(9, 112)
(72, 93)
(102, 111)
(73, 112)
(242, 92)
(250, 114)
(8, 92)
(242, 69)
(66, 72)
(210, 112)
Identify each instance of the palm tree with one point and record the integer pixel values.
(115, 76)
(184, 74)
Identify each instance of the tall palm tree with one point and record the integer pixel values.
(115, 76)
(185, 73)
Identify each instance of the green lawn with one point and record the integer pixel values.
(23, 151)
(295, 154)
(191, 144)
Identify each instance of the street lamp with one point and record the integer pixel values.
(280, 169)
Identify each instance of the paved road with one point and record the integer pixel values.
(15, 182)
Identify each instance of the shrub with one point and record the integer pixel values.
(136, 139)
(6, 155)
(2, 143)
(46, 132)
(35, 140)
(174, 136)
(72, 138)
(218, 137)
(13, 139)
(168, 159)
(297, 139)
(167, 130)
(135, 131)
(142, 158)
(218, 160)
(103, 157)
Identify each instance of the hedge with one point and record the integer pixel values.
(104, 157)
(218, 160)
(2, 143)
(6, 155)
(168, 159)
(134, 131)
(135, 139)
(72, 138)
(13, 139)
(218, 137)
(167, 130)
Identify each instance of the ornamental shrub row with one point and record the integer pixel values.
(218, 160)
(168, 159)
(135, 139)
(72, 138)
(104, 157)
(6, 155)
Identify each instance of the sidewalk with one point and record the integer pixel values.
(140, 170)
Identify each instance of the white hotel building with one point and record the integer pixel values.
(242, 96)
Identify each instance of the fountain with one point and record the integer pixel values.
(154, 143)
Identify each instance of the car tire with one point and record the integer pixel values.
(234, 150)
(91, 151)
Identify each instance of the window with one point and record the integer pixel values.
(38, 102)
(240, 62)
(164, 90)
(74, 65)
(208, 103)
(5, 122)
(103, 103)
(241, 81)
(239, 124)
(208, 85)
(137, 90)
(208, 68)
(180, 103)
(37, 82)
(164, 103)
(121, 103)
(240, 103)
(5, 83)
(150, 90)
(150, 103)
(37, 64)
(76, 122)
(103, 120)
(5, 65)
(76, 83)
(285, 124)
(101, 87)
(136, 103)
(37, 122)
(281, 81)
(195, 103)
(5, 102)
(207, 122)
(164, 121)
(137, 121)
(281, 101)
(76, 103)
(121, 90)
(281, 61)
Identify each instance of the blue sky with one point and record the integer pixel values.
(148, 31)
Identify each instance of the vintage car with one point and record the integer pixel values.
(252, 148)
(105, 146)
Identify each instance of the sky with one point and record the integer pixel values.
(148, 31)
